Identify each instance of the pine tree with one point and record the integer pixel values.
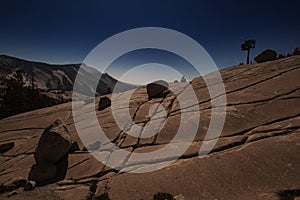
(247, 46)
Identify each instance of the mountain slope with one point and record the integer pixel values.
(56, 77)
(256, 157)
(53, 83)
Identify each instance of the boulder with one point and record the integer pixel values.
(156, 89)
(266, 55)
(29, 185)
(43, 173)
(6, 146)
(54, 143)
(104, 102)
(296, 51)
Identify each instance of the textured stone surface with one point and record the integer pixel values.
(256, 157)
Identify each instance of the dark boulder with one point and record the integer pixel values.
(156, 89)
(54, 143)
(51, 154)
(266, 55)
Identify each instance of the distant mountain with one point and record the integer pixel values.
(58, 77)
(53, 84)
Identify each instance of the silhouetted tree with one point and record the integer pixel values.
(48, 85)
(32, 82)
(2, 97)
(281, 56)
(247, 46)
(18, 96)
(14, 94)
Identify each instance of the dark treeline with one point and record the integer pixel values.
(17, 96)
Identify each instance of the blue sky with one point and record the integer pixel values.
(66, 31)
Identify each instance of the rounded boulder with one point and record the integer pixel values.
(156, 89)
(54, 143)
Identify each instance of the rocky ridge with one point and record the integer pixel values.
(47, 84)
(256, 157)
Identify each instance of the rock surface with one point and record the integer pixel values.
(266, 55)
(256, 157)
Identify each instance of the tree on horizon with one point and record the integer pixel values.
(247, 46)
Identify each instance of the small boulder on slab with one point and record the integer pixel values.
(51, 155)
(266, 55)
(156, 89)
